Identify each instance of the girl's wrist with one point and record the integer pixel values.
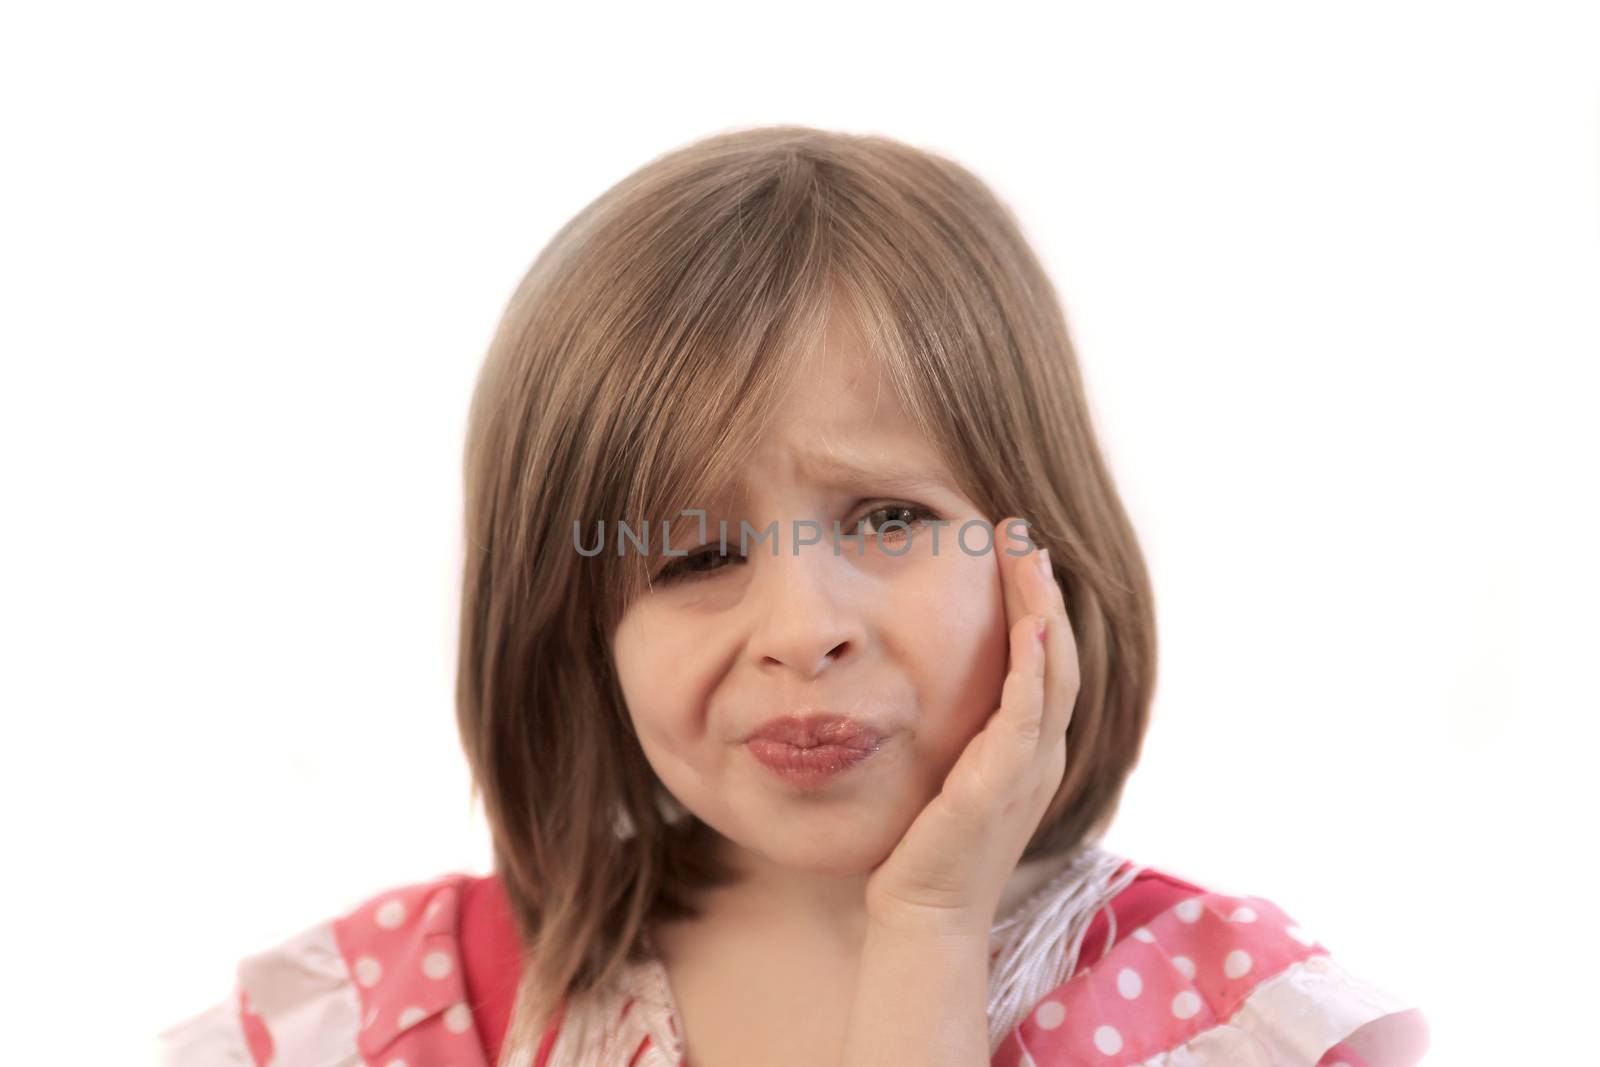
(904, 918)
(921, 993)
(936, 923)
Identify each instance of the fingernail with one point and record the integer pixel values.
(1043, 624)
(1044, 564)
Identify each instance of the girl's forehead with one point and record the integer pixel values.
(897, 465)
(837, 398)
(837, 421)
(839, 364)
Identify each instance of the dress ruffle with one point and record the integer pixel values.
(1214, 980)
(214, 1036)
(381, 984)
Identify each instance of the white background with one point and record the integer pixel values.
(1332, 271)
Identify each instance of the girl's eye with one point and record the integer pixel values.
(910, 514)
(700, 564)
(694, 565)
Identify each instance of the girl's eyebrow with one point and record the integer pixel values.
(837, 470)
(892, 475)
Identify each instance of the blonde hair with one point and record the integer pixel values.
(633, 369)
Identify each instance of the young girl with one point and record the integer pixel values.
(805, 650)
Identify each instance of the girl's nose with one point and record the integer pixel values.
(804, 613)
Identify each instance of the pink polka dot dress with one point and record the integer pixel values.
(1109, 964)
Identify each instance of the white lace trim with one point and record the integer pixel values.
(1039, 940)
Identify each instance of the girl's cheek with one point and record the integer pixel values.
(956, 586)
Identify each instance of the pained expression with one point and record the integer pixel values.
(910, 639)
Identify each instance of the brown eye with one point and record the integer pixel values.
(694, 565)
(704, 564)
(910, 514)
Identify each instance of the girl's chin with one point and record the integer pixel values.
(830, 866)
(842, 839)
(837, 854)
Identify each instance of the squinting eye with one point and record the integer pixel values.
(913, 515)
(702, 564)
(694, 565)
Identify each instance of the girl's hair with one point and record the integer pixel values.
(634, 368)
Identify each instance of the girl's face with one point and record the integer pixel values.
(905, 635)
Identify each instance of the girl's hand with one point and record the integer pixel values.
(948, 872)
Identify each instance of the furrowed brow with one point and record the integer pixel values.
(835, 470)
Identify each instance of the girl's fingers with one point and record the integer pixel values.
(1015, 571)
(1036, 699)
(1018, 720)
(1014, 588)
(1030, 586)
(1061, 657)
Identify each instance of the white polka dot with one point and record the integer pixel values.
(436, 964)
(1050, 1014)
(1184, 964)
(1128, 983)
(458, 1018)
(391, 914)
(1144, 935)
(1243, 914)
(411, 1016)
(1107, 1040)
(1186, 1005)
(1301, 936)
(397, 1063)
(1189, 910)
(368, 971)
(1237, 963)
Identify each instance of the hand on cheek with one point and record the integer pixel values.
(949, 869)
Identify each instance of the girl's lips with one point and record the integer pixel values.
(812, 750)
(819, 728)
(808, 768)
